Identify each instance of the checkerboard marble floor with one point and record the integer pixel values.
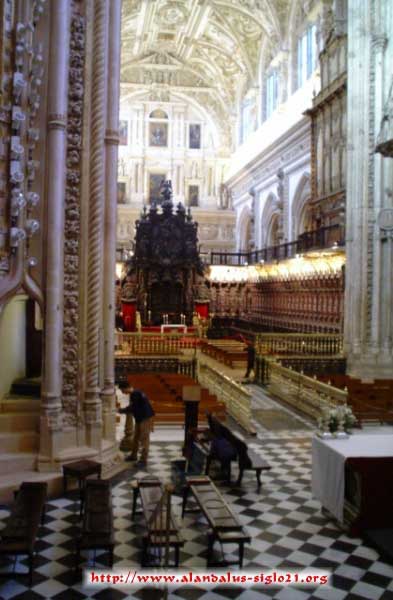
(286, 524)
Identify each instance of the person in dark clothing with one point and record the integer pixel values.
(143, 414)
(250, 359)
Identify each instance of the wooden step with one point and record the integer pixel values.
(27, 386)
(16, 462)
(10, 482)
(21, 441)
(14, 403)
(19, 421)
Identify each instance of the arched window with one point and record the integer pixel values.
(248, 118)
(271, 93)
(306, 55)
(158, 114)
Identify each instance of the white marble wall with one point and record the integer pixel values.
(369, 288)
(276, 178)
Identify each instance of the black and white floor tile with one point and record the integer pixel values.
(286, 524)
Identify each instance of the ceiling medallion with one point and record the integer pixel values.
(173, 14)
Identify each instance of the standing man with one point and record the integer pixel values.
(143, 414)
(250, 359)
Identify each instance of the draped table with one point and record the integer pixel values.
(328, 463)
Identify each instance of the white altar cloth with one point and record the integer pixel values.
(174, 326)
(328, 460)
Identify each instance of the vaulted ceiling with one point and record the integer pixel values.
(207, 49)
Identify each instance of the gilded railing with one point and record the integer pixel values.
(299, 343)
(127, 343)
(306, 394)
(236, 397)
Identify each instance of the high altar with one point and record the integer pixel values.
(165, 277)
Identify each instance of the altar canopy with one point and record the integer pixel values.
(165, 275)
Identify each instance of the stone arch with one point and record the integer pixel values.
(271, 222)
(301, 207)
(243, 228)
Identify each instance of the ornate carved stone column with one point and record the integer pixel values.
(51, 404)
(368, 300)
(92, 402)
(112, 141)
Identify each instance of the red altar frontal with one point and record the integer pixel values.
(128, 310)
(202, 309)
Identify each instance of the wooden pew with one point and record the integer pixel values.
(248, 460)
(165, 393)
(20, 533)
(230, 352)
(150, 491)
(97, 526)
(225, 525)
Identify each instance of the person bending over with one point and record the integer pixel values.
(143, 414)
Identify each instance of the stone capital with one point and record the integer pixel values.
(112, 137)
(57, 121)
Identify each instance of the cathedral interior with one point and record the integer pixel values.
(196, 254)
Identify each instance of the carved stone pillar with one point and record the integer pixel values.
(368, 299)
(92, 401)
(112, 141)
(51, 402)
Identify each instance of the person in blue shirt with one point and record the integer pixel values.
(143, 414)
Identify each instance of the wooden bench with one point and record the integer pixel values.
(159, 535)
(247, 459)
(225, 525)
(20, 533)
(97, 526)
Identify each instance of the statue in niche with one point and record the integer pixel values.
(225, 197)
(123, 132)
(194, 170)
(201, 291)
(280, 187)
(385, 136)
(128, 291)
(121, 167)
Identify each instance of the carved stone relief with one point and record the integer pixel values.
(72, 218)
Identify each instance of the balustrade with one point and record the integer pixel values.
(324, 237)
(299, 344)
(236, 397)
(153, 344)
(304, 393)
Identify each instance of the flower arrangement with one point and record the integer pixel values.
(337, 420)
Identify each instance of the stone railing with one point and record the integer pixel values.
(153, 343)
(236, 397)
(298, 344)
(305, 394)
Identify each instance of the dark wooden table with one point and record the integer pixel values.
(80, 470)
